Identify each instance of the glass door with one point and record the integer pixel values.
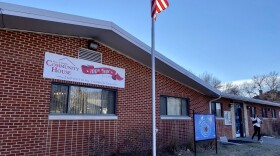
(238, 120)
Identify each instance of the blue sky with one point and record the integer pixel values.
(233, 39)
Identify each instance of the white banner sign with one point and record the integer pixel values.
(78, 70)
(227, 116)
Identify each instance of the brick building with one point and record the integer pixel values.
(40, 115)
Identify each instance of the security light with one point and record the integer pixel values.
(92, 45)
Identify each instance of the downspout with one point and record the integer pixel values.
(210, 111)
(220, 96)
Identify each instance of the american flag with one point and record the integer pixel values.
(157, 6)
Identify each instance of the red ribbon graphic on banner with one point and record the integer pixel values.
(91, 70)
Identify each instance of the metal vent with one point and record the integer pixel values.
(90, 55)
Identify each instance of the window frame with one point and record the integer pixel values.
(264, 112)
(166, 116)
(221, 104)
(69, 116)
(251, 111)
(273, 113)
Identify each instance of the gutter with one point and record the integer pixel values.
(220, 96)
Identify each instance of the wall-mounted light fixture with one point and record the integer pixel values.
(248, 107)
(92, 45)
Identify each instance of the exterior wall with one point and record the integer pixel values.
(25, 99)
(270, 126)
(172, 132)
(224, 130)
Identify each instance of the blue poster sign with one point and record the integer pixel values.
(204, 126)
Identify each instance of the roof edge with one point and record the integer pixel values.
(246, 99)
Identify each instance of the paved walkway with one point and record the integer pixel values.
(266, 140)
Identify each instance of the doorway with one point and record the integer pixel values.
(239, 119)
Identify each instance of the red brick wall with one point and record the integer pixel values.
(178, 131)
(270, 126)
(224, 130)
(25, 99)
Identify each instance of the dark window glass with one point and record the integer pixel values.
(59, 97)
(216, 108)
(184, 107)
(163, 110)
(264, 112)
(82, 100)
(213, 108)
(273, 113)
(252, 111)
(174, 106)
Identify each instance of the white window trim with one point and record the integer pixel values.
(170, 117)
(220, 118)
(82, 117)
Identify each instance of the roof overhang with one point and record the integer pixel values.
(251, 100)
(37, 20)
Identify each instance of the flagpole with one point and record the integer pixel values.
(153, 89)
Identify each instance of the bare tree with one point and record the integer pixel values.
(264, 87)
(230, 88)
(210, 79)
(248, 89)
(273, 83)
(259, 82)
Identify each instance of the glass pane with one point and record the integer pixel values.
(251, 111)
(184, 107)
(76, 98)
(173, 106)
(85, 100)
(93, 103)
(163, 105)
(58, 99)
(108, 102)
(213, 108)
(218, 110)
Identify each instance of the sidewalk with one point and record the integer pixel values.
(266, 140)
(246, 147)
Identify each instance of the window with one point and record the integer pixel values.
(252, 111)
(264, 112)
(70, 99)
(174, 106)
(273, 113)
(216, 108)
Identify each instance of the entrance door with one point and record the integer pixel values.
(239, 120)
